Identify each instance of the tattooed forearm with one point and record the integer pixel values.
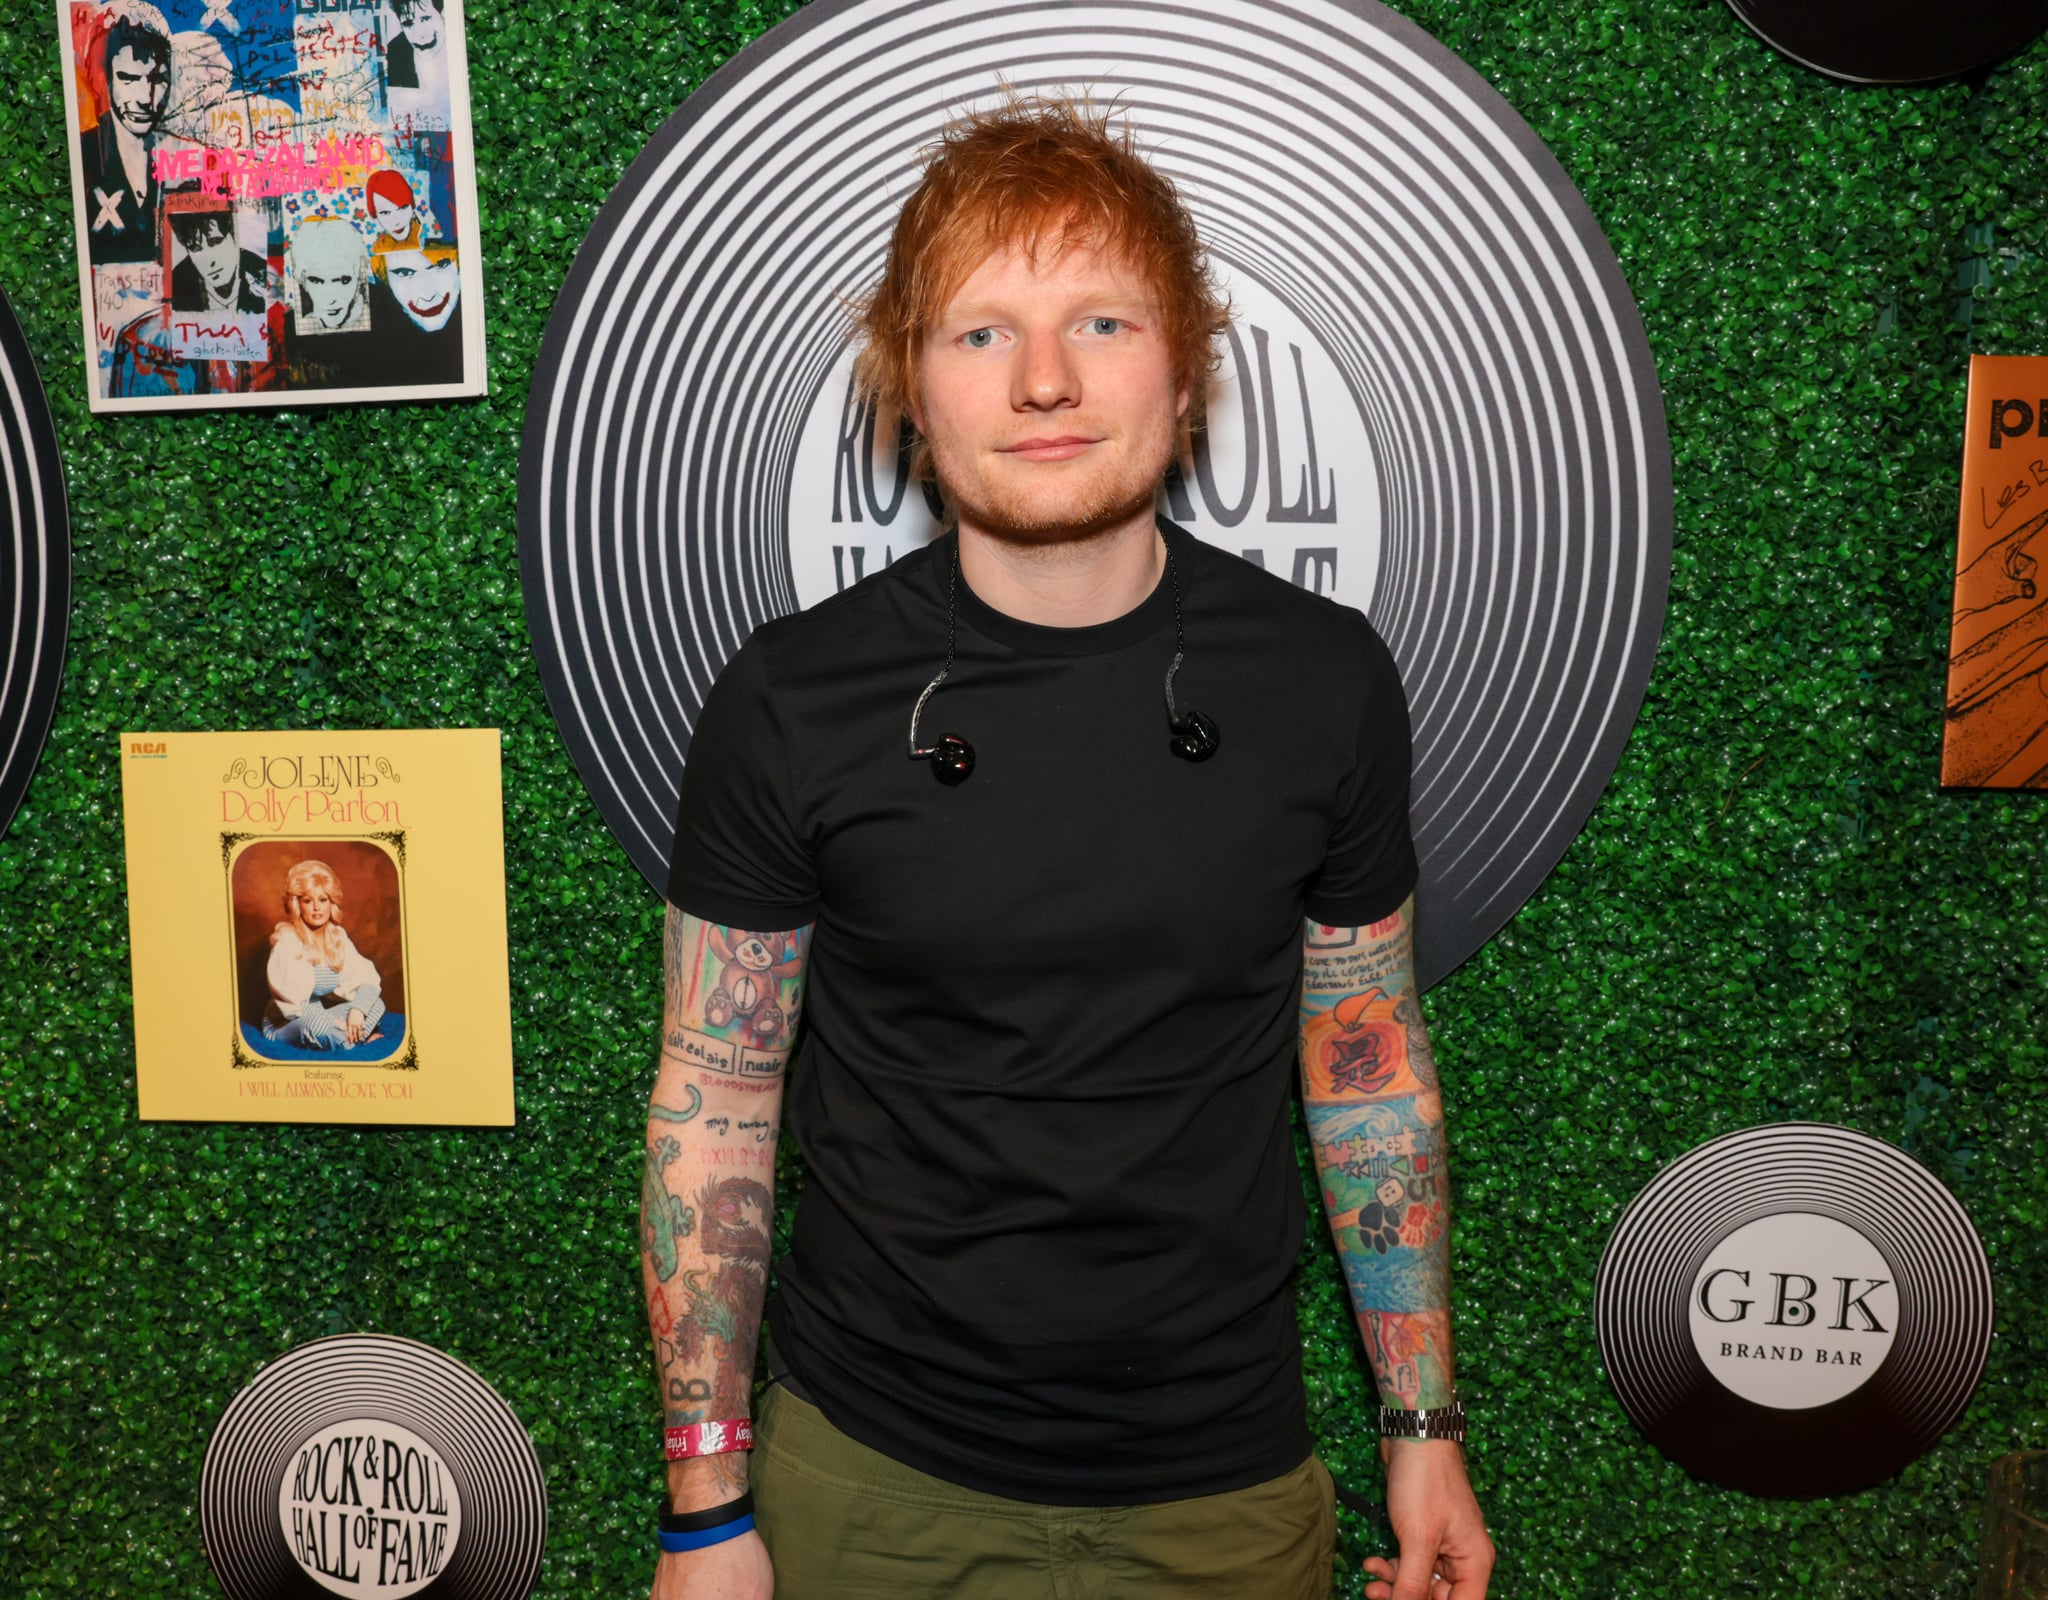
(1375, 1118)
(734, 999)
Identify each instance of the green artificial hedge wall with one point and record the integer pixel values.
(1774, 913)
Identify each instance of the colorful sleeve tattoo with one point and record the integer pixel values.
(1376, 1119)
(708, 1191)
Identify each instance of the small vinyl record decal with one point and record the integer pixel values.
(371, 1466)
(1794, 1310)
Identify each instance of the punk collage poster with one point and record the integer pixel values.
(275, 201)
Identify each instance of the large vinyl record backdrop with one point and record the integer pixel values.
(1437, 369)
(1771, 913)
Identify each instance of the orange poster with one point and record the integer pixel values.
(1996, 735)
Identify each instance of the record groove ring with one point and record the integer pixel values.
(1438, 405)
(35, 569)
(1796, 1309)
(373, 1466)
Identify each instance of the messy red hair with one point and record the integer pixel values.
(1036, 173)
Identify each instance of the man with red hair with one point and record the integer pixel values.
(1035, 1334)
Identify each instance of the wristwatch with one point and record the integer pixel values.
(1438, 1422)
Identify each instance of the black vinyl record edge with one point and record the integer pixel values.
(54, 540)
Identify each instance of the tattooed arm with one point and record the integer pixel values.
(1376, 1119)
(707, 1203)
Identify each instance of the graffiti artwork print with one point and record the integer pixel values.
(275, 201)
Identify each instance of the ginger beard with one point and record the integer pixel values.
(1069, 348)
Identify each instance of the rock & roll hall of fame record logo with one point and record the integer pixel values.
(1795, 1309)
(1436, 403)
(372, 1468)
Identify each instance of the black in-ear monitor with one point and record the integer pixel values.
(1193, 737)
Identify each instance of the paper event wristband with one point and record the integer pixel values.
(708, 1438)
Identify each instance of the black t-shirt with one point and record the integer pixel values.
(1050, 1015)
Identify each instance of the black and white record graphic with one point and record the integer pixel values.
(1796, 1309)
(371, 1466)
(1437, 404)
(1893, 41)
(35, 567)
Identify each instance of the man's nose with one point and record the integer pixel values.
(1046, 376)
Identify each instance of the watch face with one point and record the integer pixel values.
(1893, 41)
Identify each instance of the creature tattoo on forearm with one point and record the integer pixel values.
(734, 1000)
(1375, 1116)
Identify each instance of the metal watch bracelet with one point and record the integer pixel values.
(1438, 1422)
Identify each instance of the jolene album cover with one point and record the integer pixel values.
(317, 926)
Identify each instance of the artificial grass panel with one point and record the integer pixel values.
(1774, 913)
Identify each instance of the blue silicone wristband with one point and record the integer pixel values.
(676, 1542)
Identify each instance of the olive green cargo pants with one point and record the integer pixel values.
(843, 1522)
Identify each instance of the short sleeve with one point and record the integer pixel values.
(738, 857)
(1369, 868)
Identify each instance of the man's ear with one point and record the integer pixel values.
(1182, 401)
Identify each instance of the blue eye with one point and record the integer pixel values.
(980, 339)
(1105, 325)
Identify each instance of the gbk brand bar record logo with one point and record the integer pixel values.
(1437, 404)
(373, 1468)
(1795, 1309)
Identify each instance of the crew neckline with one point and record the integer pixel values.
(1146, 618)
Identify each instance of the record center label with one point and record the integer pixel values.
(368, 1508)
(1794, 1311)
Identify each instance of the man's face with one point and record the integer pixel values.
(138, 85)
(334, 288)
(420, 21)
(1046, 394)
(425, 287)
(394, 221)
(217, 253)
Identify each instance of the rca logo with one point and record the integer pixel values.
(148, 747)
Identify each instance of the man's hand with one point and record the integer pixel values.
(735, 1570)
(1445, 1553)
